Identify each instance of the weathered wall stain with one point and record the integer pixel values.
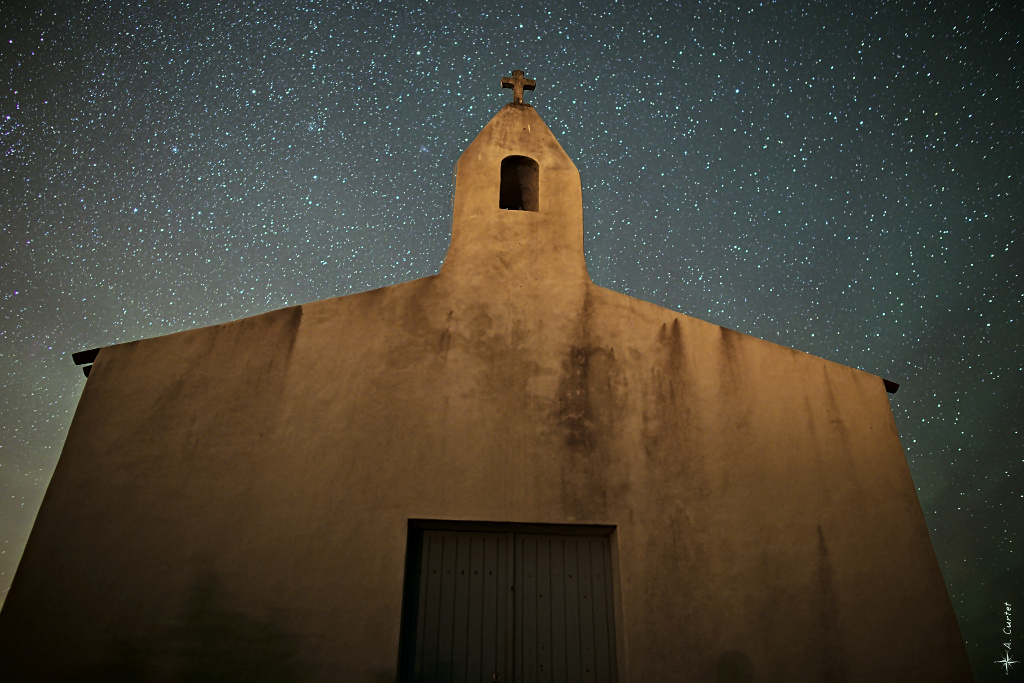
(732, 374)
(835, 418)
(829, 616)
(444, 341)
(212, 638)
(672, 343)
(588, 409)
(734, 667)
(670, 431)
(574, 409)
(667, 376)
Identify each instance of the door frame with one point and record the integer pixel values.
(413, 559)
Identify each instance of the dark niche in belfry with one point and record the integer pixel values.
(519, 184)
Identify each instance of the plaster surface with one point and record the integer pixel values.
(233, 501)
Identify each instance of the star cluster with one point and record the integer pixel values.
(845, 179)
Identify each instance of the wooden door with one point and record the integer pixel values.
(509, 606)
(564, 612)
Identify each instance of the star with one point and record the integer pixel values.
(1006, 662)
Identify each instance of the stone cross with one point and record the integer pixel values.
(518, 85)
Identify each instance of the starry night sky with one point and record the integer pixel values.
(844, 181)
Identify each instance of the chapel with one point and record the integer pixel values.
(501, 472)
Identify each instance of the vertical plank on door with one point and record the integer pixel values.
(564, 609)
(463, 607)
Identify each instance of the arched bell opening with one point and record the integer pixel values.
(520, 181)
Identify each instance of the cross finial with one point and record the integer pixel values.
(518, 84)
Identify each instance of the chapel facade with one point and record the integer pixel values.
(502, 472)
